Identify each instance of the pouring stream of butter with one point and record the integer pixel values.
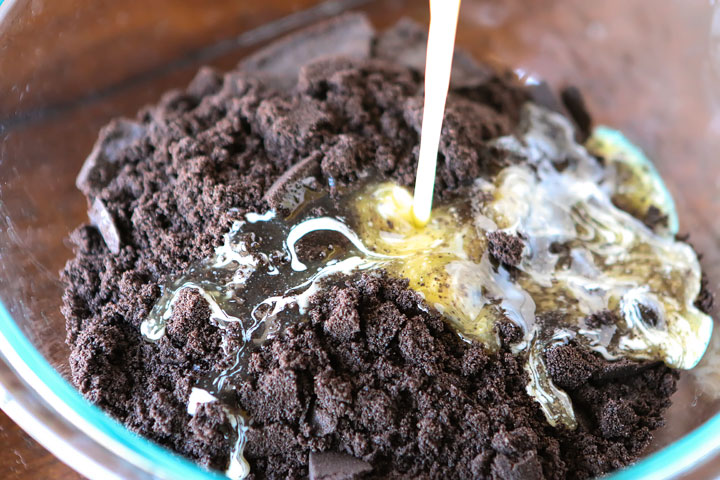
(438, 63)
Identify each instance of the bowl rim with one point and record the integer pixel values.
(39, 381)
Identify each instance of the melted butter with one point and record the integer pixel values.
(582, 255)
(434, 258)
(608, 259)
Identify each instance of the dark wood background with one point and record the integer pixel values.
(64, 70)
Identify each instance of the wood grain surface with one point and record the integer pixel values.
(22, 458)
(67, 70)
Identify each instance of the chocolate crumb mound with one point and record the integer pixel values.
(371, 379)
(376, 376)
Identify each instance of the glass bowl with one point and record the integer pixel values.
(649, 68)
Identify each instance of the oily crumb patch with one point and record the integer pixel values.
(600, 319)
(649, 315)
(654, 218)
(506, 248)
(706, 299)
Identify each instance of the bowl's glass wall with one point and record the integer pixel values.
(67, 67)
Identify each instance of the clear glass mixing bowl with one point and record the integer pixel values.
(647, 67)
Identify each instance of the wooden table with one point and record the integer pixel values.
(23, 458)
(648, 75)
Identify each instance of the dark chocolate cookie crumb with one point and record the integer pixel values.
(706, 299)
(649, 315)
(509, 333)
(602, 318)
(655, 218)
(505, 248)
